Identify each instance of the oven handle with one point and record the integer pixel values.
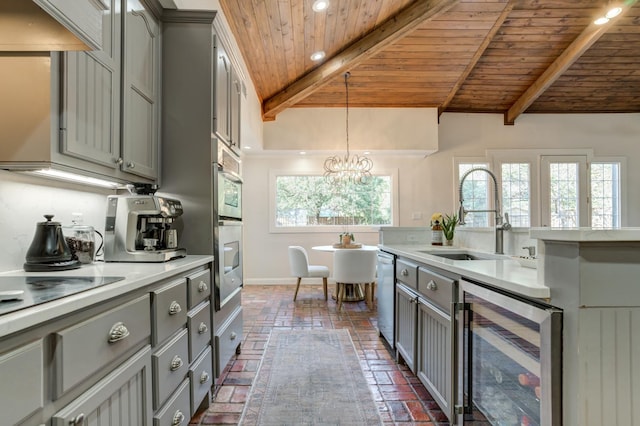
(234, 177)
(230, 223)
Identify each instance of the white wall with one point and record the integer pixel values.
(426, 184)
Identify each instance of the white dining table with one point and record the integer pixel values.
(353, 291)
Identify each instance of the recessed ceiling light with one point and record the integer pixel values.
(601, 21)
(612, 13)
(247, 147)
(303, 152)
(320, 5)
(367, 153)
(316, 56)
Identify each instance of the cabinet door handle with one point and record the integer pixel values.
(78, 420)
(204, 378)
(178, 418)
(233, 335)
(202, 328)
(176, 363)
(118, 161)
(131, 165)
(118, 332)
(202, 287)
(404, 273)
(174, 308)
(431, 285)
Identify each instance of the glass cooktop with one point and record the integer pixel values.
(41, 289)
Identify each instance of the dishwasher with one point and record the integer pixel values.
(386, 297)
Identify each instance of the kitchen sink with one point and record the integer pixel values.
(462, 255)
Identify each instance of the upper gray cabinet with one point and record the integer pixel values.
(228, 96)
(50, 25)
(110, 97)
(141, 92)
(81, 17)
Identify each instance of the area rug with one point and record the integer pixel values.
(310, 377)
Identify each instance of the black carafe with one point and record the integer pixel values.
(49, 250)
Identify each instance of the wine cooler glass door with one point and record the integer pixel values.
(510, 359)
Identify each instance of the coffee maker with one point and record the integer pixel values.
(141, 227)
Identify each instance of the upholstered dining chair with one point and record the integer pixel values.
(299, 264)
(353, 266)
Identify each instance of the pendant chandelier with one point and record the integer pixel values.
(356, 169)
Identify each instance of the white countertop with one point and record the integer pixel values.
(585, 234)
(505, 272)
(136, 275)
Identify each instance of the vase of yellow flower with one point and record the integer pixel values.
(436, 229)
(449, 223)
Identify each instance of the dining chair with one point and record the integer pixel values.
(353, 266)
(299, 264)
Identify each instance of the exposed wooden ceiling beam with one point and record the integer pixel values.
(571, 54)
(476, 57)
(390, 31)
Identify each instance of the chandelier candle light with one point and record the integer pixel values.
(355, 169)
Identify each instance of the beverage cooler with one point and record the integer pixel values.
(510, 359)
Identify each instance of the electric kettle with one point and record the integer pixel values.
(49, 250)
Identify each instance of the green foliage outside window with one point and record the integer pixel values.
(314, 201)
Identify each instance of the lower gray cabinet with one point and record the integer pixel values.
(227, 339)
(406, 325)
(170, 366)
(23, 369)
(201, 376)
(122, 398)
(176, 411)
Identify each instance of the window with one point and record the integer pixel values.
(605, 195)
(572, 191)
(311, 202)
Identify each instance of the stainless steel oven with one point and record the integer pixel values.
(228, 262)
(229, 185)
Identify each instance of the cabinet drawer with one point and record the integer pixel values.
(87, 347)
(170, 367)
(227, 340)
(22, 371)
(199, 326)
(176, 411)
(199, 287)
(407, 272)
(201, 377)
(168, 307)
(436, 288)
(123, 397)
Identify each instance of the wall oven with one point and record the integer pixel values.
(510, 357)
(228, 261)
(229, 186)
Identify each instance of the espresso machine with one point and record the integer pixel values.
(142, 228)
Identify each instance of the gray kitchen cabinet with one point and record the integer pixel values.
(223, 82)
(170, 367)
(82, 17)
(23, 368)
(110, 98)
(123, 397)
(406, 325)
(141, 92)
(235, 110)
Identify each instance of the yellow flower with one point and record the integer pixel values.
(436, 217)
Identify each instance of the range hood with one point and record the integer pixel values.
(46, 25)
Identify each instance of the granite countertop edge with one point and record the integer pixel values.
(504, 273)
(136, 275)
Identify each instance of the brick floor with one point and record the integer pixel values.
(401, 398)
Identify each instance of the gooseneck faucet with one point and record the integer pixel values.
(501, 225)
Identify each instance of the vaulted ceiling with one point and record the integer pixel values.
(497, 56)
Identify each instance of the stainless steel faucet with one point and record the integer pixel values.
(501, 225)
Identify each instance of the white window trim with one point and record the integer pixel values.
(623, 184)
(273, 229)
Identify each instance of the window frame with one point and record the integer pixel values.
(273, 229)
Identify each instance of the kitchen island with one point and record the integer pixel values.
(143, 343)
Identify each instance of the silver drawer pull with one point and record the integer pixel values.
(78, 420)
(204, 378)
(431, 285)
(233, 335)
(202, 287)
(202, 328)
(404, 273)
(174, 308)
(176, 363)
(178, 418)
(118, 332)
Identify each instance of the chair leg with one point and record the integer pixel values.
(340, 292)
(324, 286)
(297, 288)
(373, 292)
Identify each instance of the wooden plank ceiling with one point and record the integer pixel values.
(498, 56)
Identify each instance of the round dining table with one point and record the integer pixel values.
(353, 291)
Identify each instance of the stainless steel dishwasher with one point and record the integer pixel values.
(386, 296)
